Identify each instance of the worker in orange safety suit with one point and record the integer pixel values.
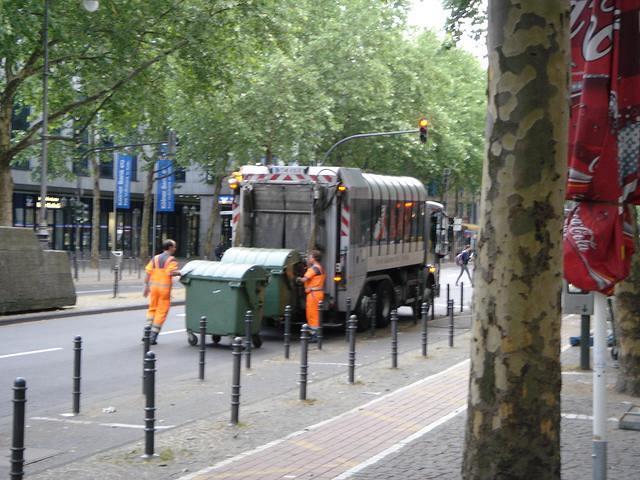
(157, 286)
(313, 281)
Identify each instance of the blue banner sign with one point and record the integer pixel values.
(165, 201)
(123, 180)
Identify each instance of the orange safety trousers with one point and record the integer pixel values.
(159, 303)
(159, 271)
(313, 302)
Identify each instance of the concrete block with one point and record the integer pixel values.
(32, 279)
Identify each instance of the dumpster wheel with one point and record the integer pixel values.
(215, 339)
(257, 340)
(192, 339)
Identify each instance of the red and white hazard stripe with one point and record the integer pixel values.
(288, 177)
(345, 219)
(235, 216)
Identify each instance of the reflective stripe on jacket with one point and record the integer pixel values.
(315, 278)
(160, 269)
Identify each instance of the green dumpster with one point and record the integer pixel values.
(282, 265)
(223, 292)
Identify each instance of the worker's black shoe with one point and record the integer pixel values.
(154, 338)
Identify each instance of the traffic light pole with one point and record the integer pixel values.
(365, 135)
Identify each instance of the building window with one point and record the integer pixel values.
(106, 169)
(180, 174)
(81, 167)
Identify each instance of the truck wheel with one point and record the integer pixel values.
(215, 339)
(384, 293)
(192, 339)
(257, 340)
(363, 309)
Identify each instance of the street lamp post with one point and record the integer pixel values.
(43, 226)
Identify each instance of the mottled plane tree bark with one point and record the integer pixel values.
(513, 422)
(627, 318)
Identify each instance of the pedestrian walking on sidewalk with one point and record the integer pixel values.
(462, 260)
(157, 286)
(313, 281)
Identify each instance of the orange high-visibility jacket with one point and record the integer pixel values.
(314, 288)
(160, 269)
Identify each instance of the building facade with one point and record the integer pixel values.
(187, 224)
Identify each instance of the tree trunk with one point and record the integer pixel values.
(6, 193)
(6, 182)
(627, 320)
(513, 417)
(210, 244)
(95, 214)
(146, 214)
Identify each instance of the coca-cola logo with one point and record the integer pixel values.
(581, 235)
(597, 18)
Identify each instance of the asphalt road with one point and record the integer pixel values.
(112, 403)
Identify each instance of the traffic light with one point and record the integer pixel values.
(423, 124)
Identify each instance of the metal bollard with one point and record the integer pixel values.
(248, 320)
(287, 330)
(352, 327)
(374, 309)
(115, 281)
(433, 302)
(304, 365)
(347, 317)
(236, 351)
(450, 310)
(17, 441)
(203, 335)
(150, 404)
(75, 266)
(320, 323)
(416, 304)
(77, 359)
(461, 297)
(424, 313)
(146, 343)
(448, 297)
(585, 321)
(394, 339)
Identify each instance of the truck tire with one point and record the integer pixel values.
(363, 308)
(384, 292)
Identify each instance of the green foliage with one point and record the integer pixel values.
(251, 80)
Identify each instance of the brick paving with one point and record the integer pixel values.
(330, 449)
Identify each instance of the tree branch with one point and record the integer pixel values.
(22, 144)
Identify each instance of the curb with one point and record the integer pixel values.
(51, 315)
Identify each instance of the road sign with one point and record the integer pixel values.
(123, 180)
(165, 201)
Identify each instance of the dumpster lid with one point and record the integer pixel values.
(223, 271)
(266, 257)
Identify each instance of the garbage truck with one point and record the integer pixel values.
(378, 234)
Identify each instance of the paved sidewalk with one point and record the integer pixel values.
(336, 448)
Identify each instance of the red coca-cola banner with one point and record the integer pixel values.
(604, 141)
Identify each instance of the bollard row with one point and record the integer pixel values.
(149, 369)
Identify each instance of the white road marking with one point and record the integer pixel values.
(181, 314)
(89, 422)
(96, 291)
(173, 331)
(330, 363)
(580, 416)
(402, 443)
(33, 352)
